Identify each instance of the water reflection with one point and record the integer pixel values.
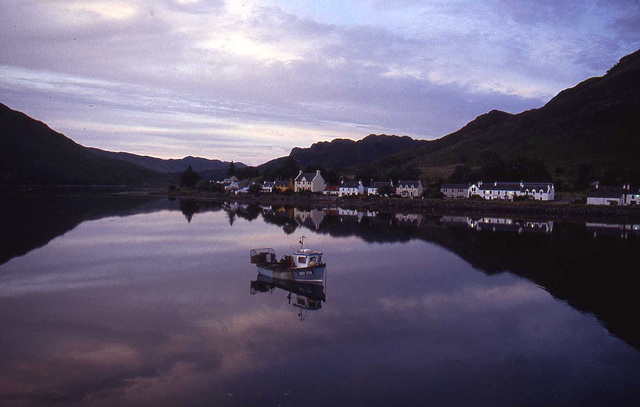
(308, 296)
(148, 305)
(611, 229)
(577, 263)
(497, 224)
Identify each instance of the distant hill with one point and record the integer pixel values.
(345, 153)
(33, 153)
(595, 122)
(169, 165)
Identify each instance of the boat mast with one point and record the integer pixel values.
(302, 242)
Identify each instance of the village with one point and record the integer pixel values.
(313, 182)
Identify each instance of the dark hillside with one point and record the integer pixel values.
(33, 153)
(345, 153)
(595, 122)
(168, 165)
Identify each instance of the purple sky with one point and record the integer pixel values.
(249, 81)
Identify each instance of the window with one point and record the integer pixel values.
(302, 260)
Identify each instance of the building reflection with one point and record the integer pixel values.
(492, 224)
(623, 231)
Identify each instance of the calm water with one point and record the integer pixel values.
(114, 301)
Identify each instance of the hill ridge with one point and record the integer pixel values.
(595, 123)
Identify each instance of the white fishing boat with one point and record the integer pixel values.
(303, 265)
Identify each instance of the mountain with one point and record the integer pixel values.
(198, 164)
(33, 153)
(596, 122)
(345, 153)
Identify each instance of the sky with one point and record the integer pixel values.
(249, 80)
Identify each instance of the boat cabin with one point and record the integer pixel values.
(306, 258)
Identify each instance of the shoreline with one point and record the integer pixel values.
(559, 211)
(555, 210)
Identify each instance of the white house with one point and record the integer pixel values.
(614, 195)
(350, 188)
(409, 189)
(632, 197)
(456, 190)
(539, 191)
(232, 186)
(376, 185)
(268, 186)
(309, 181)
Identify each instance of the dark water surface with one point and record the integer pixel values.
(117, 301)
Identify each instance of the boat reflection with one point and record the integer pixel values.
(305, 296)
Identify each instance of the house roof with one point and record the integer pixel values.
(269, 184)
(309, 176)
(500, 186)
(409, 184)
(607, 191)
(379, 184)
(331, 188)
(515, 186)
(455, 186)
(282, 183)
(350, 184)
(537, 185)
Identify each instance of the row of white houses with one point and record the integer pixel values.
(539, 191)
(313, 182)
(405, 189)
(614, 195)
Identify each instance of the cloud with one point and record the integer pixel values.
(294, 73)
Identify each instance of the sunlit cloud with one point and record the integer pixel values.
(111, 10)
(469, 300)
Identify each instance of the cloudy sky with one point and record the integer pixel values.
(247, 81)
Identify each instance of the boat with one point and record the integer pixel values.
(303, 265)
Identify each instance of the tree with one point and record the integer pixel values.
(493, 168)
(248, 172)
(189, 178)
(403, 172)
(329, 176)
(255, 188)
(288, 169)
(232, 169)
(366, 174)
(462, 174)
(585, 173)
(387, 190)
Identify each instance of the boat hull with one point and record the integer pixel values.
(313, 274)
